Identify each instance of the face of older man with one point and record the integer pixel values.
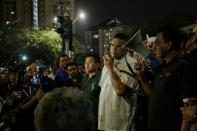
(115, 49)
(161, 47)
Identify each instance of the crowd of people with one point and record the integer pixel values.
(123, 91)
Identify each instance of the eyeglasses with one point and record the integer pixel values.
(190, 103)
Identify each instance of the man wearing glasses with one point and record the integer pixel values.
(189, 111)
(174, 81)
(115, 112)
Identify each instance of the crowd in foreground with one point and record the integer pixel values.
(127, 92)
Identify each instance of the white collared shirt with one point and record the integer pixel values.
(114, 111)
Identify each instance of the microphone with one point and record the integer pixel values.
(135, 43)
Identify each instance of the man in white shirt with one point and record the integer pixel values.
(115, 113)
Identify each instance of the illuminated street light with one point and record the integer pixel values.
(7, 22)
(81, 16)
(55, 19)
(65, 28)
(24, 58)
(12, 13)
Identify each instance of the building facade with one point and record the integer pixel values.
(100, 37)
(21, 11)
(92, 40)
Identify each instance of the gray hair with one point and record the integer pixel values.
(64, 109)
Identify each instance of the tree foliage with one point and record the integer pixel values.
(36, 44)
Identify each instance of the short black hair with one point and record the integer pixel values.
(96, 57)
(59, 56)
(121, 36)
(62, 55)
(173, 34)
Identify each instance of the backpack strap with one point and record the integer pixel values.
(128, 65)
(123, 71)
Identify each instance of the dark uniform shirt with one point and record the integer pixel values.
(174, 82)
(91, 88)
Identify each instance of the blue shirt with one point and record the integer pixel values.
(61, 78)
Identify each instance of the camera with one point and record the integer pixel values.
(41, 69)
(35, 80)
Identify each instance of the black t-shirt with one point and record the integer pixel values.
(174, 82)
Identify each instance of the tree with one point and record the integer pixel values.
(37, 44)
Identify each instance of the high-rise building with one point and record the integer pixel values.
(21, 11)
(99, 38)
(7, 11)
(64, 8)
(92, 40)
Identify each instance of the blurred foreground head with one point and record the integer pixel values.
(64, 109)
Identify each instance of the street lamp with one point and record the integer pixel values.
(65, 28)
(55, 19)
(68, 42)
(81, 16)
(24, 57)
(12, 13)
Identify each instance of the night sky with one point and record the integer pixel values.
(131, 12)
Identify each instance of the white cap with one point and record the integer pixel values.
(152, 39)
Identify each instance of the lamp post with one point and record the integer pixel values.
(66, 31)
(69, 42)
(81, 15)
